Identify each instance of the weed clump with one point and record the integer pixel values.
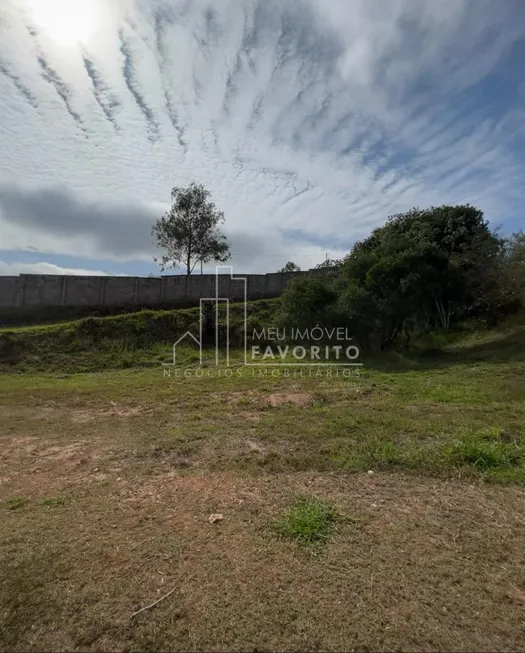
(308, 521)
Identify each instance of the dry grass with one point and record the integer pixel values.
(107, 482)
(422, 565)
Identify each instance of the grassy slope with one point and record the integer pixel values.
(121, 341)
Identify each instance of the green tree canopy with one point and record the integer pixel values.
(189, 232)
(290, 267)
(423, 269)
(433, 264)
(329, 263)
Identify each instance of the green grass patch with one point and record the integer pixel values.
(308, 521)
(54, 502)
(486, 452)
(16, 503)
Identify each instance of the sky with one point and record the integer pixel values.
(310, 122)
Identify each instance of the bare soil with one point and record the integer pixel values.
(107, 485)
(422, 564)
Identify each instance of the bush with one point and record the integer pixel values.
(9, 350)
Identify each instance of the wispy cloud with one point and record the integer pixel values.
(62, 90)
(128, 71)
(23, 90)
(309, 120)
(161, 18)
(107, 101)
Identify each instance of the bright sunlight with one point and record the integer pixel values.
(67, 22)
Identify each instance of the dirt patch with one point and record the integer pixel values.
(251, 417)
(63, 452)
(31, 450)
(19, 446)
(236, 398)
(31, 465)
(274, 400)
(171, 488)
(24, 441)
(299, 399)
(253, 446)
(114, 410)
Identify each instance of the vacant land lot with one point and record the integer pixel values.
(108, 481)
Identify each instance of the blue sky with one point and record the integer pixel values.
(310, 121)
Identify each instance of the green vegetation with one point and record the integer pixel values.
(290, 267)
(455, 411)
(54, 502)
(188, 234)
(15, 503)
(421, 277)
(308, 521)
(424, 270)
(138, 339)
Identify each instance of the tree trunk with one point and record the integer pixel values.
(189, 252)
(392, 336)
(444, 314)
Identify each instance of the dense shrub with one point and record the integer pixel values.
(422, 271)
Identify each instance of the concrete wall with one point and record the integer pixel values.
(33, 290)
(8, 291)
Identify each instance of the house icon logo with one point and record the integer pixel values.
(215, 302)
(186, 337)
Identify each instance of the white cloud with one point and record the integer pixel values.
(309, 120)
(14, 269)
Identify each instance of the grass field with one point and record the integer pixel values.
(384, 510)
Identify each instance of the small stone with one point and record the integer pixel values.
(215, 518)
(370, 472)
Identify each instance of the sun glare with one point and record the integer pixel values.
(67, 22)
